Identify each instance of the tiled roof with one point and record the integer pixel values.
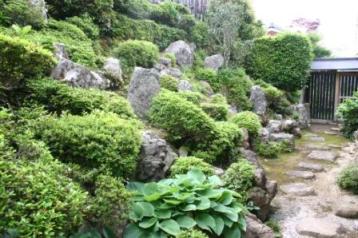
(340, 64)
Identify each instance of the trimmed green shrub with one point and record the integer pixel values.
(182, 165)
(283, 61)
(59, 97)
(192, 234)
(348, 111)
(98, 140)
(249, 121)
(37, 200)
(348, 178)
(272, 149)
(171, 206)
(21, 60)
(200, 35)
(172, 58)
(137, 53)
(193, 97)
(169, 82)
(23, 13)
(240, 177)
(124, 28)
(217, 111)
(236, 85)
(85, 23)
(210, 76)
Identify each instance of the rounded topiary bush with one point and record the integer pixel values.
(38, 201)
(210, 76)
(21, 60)
(182, 165)
(169, 82)
(249, 121)
(348, 178)
(137, 53)
(98, 140)
(59, 97)
(217, 111)
(348, 111)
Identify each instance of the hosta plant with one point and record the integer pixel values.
(172, 206)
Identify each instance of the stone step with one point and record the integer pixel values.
(310, 167)
(298, 189)
(319, 228)
(323, 155)
(301, 174)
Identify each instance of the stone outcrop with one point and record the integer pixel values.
(144, 85)
(40, 5)
(256, 229)
(303, 114)
(258, 99)
(214, 62)
(323, 155)
(156, 157)
(184, 85)
(184, 54)
(112, 70)
(174, 72)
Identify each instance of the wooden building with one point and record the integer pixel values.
(332, 80)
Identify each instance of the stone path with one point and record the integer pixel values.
(309, 203)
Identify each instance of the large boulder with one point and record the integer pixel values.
(184, 54)
(256, 229)
(303, 114)
(60, 51)
(174, 72)
(258, 100)
(156, 157)
(77, 75)
(274, 126)
(144, 85)
(214, 62)
(41, 6)
(112, 70)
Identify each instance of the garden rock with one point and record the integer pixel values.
(262, 199)
(301, 174)
(183, 53)
(41, 6)
(283, 137)
(184, 85)
(165, 61)
(245, 138)
(355, 135)
(289, 125)
(310, 166)
(298, 189)
(144, 85)
(347, 207)
(274, 126)
(113, 71)
(256, 229)
(258, 100)
(264, 134)
(60, 51)
(77, 75)
(205, 88)
(303, 114)
(319, 228)
(323, 155)
(214, 62)
(156, 157)
(174, 72)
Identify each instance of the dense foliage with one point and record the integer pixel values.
(348, 178)
(192, 234)
(348, 111)
(271, 149)
(249, 121)
(182, 165)
(193, 200)
(21, 60)
(98, 140)
(283, 61)
(169, 82)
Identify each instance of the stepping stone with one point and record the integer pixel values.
(323, 155)
(347, 207)
(298, 189)
(317, 139)
(310, 167)
(319, 228)
(315, 147)
(301, 174)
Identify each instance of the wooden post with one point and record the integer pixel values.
(337, 94)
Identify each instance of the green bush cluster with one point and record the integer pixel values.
(98, 140)
(171, 206)
(240, 177)
(217, 111)
(59, 97)
(272, 149)
(192, 234)
(249, 121)
(182, 165)
(137, 53)
(236, 85)
(169, 82)
(125, 28)
(86, 24)
(37, 200)
(21, 60)
(210, 76)
(187, 124)
(194, 97)
(348, 111)
(22, 12)
(348, 178)
(283, 61)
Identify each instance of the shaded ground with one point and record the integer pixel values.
(306, 207)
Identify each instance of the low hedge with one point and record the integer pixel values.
(348, 178)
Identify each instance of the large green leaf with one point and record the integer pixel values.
(170, 226)
(196, 175)
(146, 208)
(189, 207)
(205, 221)
(228, 212)
(226, 198)
(163, 214)
(150, 188)
(148, 222)
(133, 231)
(219, 225)
(186, 221)
(233, 232)
(203, 204)
(215, 181)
